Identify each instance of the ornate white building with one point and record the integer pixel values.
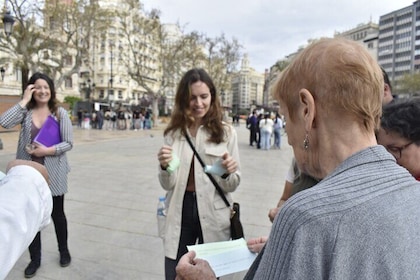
(247, 88)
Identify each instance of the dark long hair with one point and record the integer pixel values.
(181, 116)
(53, 102)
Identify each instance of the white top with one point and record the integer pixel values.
(25, 208)
(266, 125)
(290, 175)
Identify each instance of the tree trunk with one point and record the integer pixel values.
(155, 116)
(25, 78)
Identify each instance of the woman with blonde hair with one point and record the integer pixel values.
(362, 220)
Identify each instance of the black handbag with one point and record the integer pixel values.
(236, 229)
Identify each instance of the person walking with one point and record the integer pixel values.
(252, 125)
(278, 125)
(196, 212)
(266, 129)
(38, 103)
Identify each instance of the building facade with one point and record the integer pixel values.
(247, 88)
(364, 33)
(398, 42)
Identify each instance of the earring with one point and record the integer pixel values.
(306, 142)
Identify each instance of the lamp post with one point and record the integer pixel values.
(111, 90)
(8, 22)
(88, 87)
(2, 72)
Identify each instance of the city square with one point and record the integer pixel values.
(112, 199)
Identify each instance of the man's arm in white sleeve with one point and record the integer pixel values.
(25, 208)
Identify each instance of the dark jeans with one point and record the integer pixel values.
(190, 232)
(60, 225)
(253, 135)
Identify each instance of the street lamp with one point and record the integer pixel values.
(2, 72)
(111, 90)
(90, 86)
(8, 22)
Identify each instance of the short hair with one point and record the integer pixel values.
(386, 78)
(341, 75)
(402, 116)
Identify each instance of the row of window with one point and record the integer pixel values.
(359, 35)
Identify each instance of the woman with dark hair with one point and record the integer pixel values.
(400, 133)
(38, 103)
(195, 210)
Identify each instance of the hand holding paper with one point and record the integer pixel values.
(225, 257)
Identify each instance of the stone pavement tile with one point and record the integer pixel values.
(111, 205)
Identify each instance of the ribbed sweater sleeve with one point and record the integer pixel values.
(348, 226)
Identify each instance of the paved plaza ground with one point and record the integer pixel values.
(112, 199)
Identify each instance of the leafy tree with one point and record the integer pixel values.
(72, 100)
(409, 83)
(280, 65)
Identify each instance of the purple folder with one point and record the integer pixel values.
(49, 134)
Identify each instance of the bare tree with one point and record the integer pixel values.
(223, 56)
(51, 37)
(156, 54)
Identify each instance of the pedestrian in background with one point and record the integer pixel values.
(39, 101)
(79, 118)
(100, 117)
(277, 126)
(258, 130)
(195, 210)
(252, 125)
(266, 130)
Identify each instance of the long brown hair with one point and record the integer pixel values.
(53, 102)
(181, 116)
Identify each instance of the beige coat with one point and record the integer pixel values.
(213, 212)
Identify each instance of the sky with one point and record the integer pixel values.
(270, 30)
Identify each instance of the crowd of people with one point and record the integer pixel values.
(349, 209)
(109, 119)
(263, 127)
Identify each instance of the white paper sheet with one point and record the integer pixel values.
(225, 257)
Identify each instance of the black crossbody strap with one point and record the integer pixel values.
(216, 185)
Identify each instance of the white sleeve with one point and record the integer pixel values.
(25, 208)
(290, 175)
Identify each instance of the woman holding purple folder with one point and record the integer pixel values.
(38, 104)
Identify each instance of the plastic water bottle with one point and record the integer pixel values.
(161, 216)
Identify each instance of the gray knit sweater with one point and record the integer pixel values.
(360, 222)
